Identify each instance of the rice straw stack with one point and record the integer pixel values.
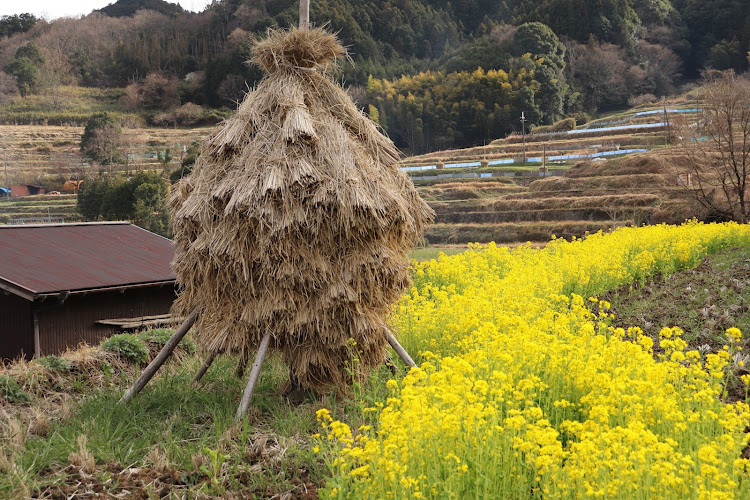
(296, 220)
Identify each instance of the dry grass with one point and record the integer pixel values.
(83, 459)
(561, 202)
(515, 232)
(664, 162)
(608, 182)
(467, 190)
(636, 189)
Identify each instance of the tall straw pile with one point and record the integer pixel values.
(296, 220)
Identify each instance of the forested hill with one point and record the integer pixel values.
(126, 8)
(551, 58)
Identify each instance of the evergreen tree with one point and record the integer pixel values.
(25, 67)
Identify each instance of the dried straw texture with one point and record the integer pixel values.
(296, 220)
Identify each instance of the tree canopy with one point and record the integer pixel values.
(140, 199)
(101, 138)
(17, 23)
(25, 67)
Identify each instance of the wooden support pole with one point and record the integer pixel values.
(304, 14)
(254, 374)
(391, 365)
(160, 358)
(241, 364)
(204, 367)
(400, 350)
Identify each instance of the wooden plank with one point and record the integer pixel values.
(139, 318)
(130, 323)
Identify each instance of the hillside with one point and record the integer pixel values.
(590, 196)
(577, 65)
(481, 194)
(128, 8)
(611, 172)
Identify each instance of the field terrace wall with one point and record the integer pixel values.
(58, 280)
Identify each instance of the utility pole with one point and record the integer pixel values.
(523, 133)
(304, 14)
(666, 123)
(5, 161)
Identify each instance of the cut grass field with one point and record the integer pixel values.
(39, 206)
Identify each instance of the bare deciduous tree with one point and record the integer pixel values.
(718, 146)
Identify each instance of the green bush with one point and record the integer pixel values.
(127, 346)
(11, 391)
(581, 118)
(560, 126)
(55, 363)
(160, 336)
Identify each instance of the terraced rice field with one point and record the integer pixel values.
(519, 201)
(33, 153)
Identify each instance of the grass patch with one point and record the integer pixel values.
(173, 435)
(68, 104)
(704, 301)
(429, 253)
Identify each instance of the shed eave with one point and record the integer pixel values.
(17, 289)
(123, 287)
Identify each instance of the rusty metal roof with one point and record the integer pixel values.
(56, 258)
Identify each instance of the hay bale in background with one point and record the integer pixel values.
(296, 220)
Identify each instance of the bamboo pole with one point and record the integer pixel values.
(160, 358)
(241, 364)
(204, 367)
(254, 373)
(400, 351)
(391, 365)
(304, 14)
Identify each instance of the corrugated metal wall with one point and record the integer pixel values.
(74, 321)
(16, 327)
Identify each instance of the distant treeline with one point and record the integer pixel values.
(584, 55)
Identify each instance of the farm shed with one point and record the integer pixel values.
(58, 280)
(26, 190)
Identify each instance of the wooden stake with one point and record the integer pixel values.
(204, 367)
(304, 14)
(254, 374)
(241, 364)
(400, 351)
(391, 365)
(160, 358)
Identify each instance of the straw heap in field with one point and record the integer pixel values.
(296, 220)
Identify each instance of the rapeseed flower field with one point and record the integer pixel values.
(525, 390)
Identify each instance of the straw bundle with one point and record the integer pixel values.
(296, 220)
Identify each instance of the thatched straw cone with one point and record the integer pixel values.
(296, 220)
